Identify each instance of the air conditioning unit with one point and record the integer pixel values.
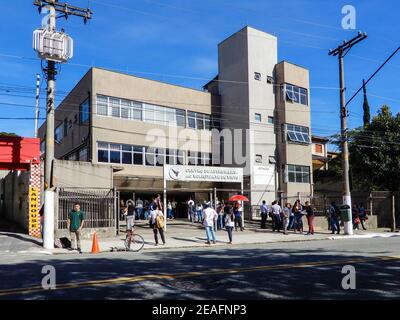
(53, 45)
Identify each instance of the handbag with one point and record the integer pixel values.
(160, 221)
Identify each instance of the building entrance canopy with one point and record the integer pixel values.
(200, 173)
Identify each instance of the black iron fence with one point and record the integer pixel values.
(99, 205)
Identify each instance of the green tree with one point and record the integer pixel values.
(8, 134)
(366, 115)
(374, 153)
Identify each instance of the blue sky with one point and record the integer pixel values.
(176, 41)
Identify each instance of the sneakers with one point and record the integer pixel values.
(79, 250)
(208, 242)
(215, 242)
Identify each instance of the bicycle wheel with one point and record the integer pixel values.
(136, 244)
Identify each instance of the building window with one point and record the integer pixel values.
(297, 134)
(198, 120)
(148, 156)
(133, 110)
(258, 158)
(125, 109)
(180, 118)
(137, 111)
(257, 117)
(102, 105)
(84, 111)
(271, 160)
(137, 155)
(257, 76)
(115, 153)
(161, 155)
(295, 94)
(318, 148)
(115, 107)
(271, 120)
(192, 158)
(65, 127)
(83, 154)
(270, 79)
(298, 174)
(58, 133)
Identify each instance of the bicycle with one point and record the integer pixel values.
(133, 242)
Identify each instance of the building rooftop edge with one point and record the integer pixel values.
(143, 78)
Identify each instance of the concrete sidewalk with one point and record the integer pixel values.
(182, 234)
(179, 234)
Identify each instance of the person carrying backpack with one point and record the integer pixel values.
(157, 219)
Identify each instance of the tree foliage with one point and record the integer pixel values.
(375, 153)
(8, 134)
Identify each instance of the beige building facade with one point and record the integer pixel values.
(137, 125)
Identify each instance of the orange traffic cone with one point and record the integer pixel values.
(95, 245)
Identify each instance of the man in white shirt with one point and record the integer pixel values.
(139, 208)
(264, 214)
(276, 216)
(191, 207)
(209, 217)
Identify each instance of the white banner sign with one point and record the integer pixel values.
(201, 173)
(264, 175)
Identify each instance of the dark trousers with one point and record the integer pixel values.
(264, 217)
(362, 220)
(161, 231)
(298, 221)
(229, 229)
(276, 222)
(238, 222)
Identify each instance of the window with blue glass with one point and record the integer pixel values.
(298, 134)
(84, 111)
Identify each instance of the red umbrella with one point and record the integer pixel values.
(238, 197)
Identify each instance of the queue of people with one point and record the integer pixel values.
(290, 217)
(141, 209)
(225, 216)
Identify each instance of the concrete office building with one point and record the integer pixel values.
(137, 125)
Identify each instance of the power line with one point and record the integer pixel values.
(373, 75)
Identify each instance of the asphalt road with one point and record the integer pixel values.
(295, 270)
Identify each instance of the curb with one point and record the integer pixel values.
(220, 244)
(366, 236)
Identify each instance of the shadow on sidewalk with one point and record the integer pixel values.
(188, 240)
(13, 230)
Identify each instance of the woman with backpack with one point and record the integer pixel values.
(157, 219)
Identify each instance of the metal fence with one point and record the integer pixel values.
(99, 205)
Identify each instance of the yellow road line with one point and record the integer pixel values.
(124, 280)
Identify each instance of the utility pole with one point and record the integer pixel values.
(341, 52)
(55, 47)
(37, 104)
